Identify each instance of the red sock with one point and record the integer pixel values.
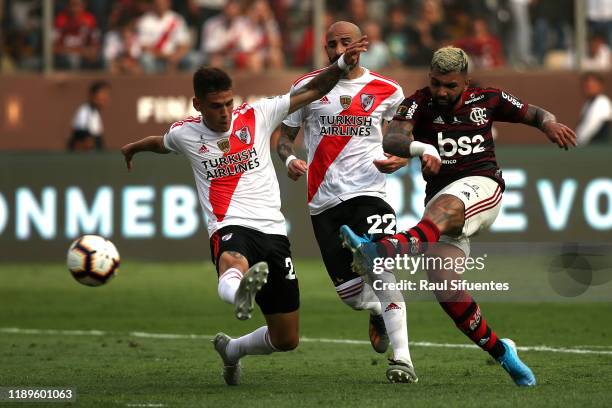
(411, 242)
(465, 312)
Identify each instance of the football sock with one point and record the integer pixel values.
(465, 312)
(359, 296)
(411, 242)
(394, 315)
(255, 343)
(397, 330)
(228, 284)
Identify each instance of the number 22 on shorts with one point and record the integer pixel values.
(376, 221)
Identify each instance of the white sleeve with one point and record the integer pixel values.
(296, 118)
(81, 118)
(182, 36)
(172, 140)
(142, 32)
(273, 109)
(112, 46)
(594, 117)
(395, 101)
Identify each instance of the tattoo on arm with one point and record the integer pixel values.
(397, 138)
(285, 142)
(537, 116)
(325, 81)
(319, 86)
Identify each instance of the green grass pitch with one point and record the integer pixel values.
(117, 368)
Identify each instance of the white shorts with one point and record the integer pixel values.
(481, 197)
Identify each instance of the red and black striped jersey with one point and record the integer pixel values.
(463, 136)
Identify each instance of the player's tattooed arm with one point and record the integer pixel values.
(295, 167)
(557, 133)
(399, 141)
(321, 84)
(148, 144)
(285, 141)
(536, 116)
(397, 138)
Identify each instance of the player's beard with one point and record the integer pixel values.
(448, 106)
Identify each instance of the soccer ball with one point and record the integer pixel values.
(93, 260)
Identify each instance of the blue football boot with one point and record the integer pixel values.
(510, 361)
(363, 249)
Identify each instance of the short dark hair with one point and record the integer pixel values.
(96, 86)
(208, 80)
(593, 75)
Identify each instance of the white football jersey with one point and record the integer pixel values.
(233, 171)
(88, 118)
(343, 135)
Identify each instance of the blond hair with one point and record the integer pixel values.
(449, 59)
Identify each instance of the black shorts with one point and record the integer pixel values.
(281, 294)
(365, 215)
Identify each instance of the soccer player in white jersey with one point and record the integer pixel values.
(346, 184)
(229, 151)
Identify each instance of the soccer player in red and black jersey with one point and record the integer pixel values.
(464, 184)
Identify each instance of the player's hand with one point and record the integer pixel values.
(561, 135)
(296, 169)
(128, 153)
(391, 164)
(430, 165)
(351, 54)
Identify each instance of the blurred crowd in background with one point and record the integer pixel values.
(153, 36)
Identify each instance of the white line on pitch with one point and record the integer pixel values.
(172, 336)
(144, 405)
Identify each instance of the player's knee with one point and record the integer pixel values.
(286, 342)
(231, 259)
(447, 212)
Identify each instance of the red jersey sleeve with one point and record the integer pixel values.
(410, 109)
(509, 108)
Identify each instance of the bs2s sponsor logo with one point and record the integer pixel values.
(464, 145)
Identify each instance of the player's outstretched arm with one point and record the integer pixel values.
(295, 167)
(398, 141)
(148, 144)
(321, 84)
(397, 138)
(558, 133)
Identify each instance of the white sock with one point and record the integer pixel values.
(255, 343)
(397, 330)
(394, 314)
(359, 296)
(228, 284)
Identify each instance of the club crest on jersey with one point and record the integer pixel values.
(224, 145)
(367, 101)
(478, 116)
(244, 135)
(345, 101)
